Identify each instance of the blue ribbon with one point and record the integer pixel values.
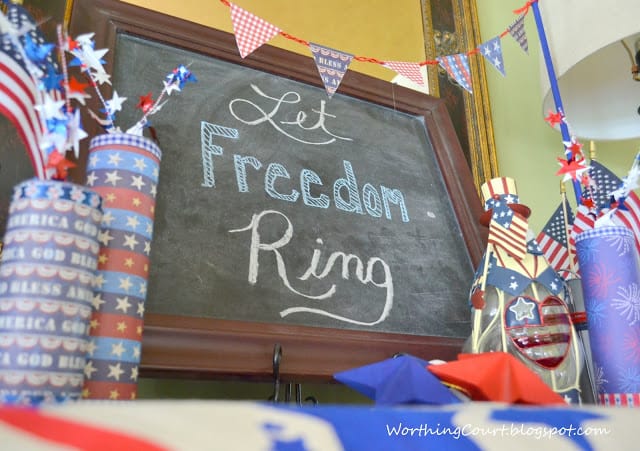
(555, 90)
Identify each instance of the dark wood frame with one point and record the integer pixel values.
(177, 346)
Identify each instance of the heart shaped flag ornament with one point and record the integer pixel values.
(540, 331)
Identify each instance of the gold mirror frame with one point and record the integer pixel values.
(451, 26)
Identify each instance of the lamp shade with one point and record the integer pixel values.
(593, 68)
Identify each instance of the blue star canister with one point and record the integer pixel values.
(124, 170)
(48, 266)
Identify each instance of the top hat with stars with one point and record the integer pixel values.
(501, 189)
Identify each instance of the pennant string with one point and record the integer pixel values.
(525, 8)
(367, 59)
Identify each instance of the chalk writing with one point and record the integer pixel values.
(363, 275)
(290, 98)
(279, 184)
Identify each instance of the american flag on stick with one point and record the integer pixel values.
(19, 93)
(553, 240)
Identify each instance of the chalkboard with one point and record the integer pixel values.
(279, 207)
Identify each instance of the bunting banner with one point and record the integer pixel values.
(457, 66)
(332, 65)
(492, 52)
(517, 31)
(250, 30)
(407, 69)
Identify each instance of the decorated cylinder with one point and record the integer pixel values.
(48, 266)
(611, 284)
(124, 169)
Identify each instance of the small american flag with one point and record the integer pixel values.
(508, 230)
(19, 93)
(553, 239)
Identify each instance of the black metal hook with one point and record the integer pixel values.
(277, 358)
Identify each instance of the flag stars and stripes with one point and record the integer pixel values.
(140, 311)
(123, 304)
(104, 237)
(128, 262)
(117, 349)
(91, 178)
(134, 375)
(139, 164)
(147, 247)
(133, 222)
(89, 369)
(112, 177)
(136, 181)
(115, 371)
(91, 347)
(130, 241)
(107, 218)
(93, 160)
(110, 197)
(97, 301)
(98, 281)
(121, 327)
(492, 51)
(125, 283)
(115, 159)
(143, 289)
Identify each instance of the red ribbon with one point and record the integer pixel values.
(525, 8)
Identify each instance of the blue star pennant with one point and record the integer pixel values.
(492, 51)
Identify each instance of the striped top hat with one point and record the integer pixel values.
(501, 189)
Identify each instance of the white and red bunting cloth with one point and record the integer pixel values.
(407, 69)
(250, 30)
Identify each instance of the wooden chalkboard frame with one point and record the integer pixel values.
(177, 346)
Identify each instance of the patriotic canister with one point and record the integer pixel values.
(48, 267)
(611, 284)
(124, 169)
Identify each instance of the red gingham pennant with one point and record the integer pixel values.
(250, 30)
(409, 70)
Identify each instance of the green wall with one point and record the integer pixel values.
(526, 145)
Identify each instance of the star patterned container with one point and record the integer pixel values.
(124, 169)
